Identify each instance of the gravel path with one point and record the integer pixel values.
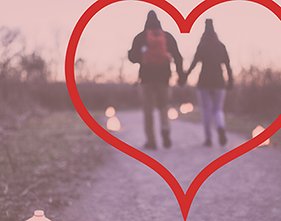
(247, 189)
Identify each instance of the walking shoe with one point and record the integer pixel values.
(150, 145)
(208, 143)
(222, 136)
(166, 138)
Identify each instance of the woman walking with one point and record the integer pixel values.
(211, 84)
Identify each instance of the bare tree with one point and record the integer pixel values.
(12, 46)
(82, 72)
(35, 68)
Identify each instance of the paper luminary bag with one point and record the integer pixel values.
(38, 216)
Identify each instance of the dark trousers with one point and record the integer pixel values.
(155, 94)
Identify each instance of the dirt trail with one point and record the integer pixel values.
(125, 189)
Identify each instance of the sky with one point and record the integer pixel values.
(250, 32)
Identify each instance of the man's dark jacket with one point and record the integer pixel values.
(147, 73)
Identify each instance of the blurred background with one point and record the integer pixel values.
(33, 39)
(34, 36)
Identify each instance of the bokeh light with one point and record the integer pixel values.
(186, 108)
(173, 113)
(257, 131)
(110, 112)
(113, 124)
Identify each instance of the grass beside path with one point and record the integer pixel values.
(42, 165)
(238, 124)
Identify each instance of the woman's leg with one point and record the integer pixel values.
(205, 100)
(219, 98)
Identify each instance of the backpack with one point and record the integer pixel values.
(155, 53)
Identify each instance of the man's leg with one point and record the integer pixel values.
(162, 103)
(147, 98)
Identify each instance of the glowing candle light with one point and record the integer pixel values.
(113, 124)
(257, 131)
(172, 113)
(110, 112)
(38, 216)
(186, 108)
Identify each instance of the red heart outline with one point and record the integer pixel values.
(185, 25)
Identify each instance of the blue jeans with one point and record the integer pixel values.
(212, 103)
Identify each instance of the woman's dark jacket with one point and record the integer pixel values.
(212, 56)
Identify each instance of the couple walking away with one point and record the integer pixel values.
(154, 49)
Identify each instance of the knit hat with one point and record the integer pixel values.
(209, 33)
(152, 15)
(152, 21)
(209, 25)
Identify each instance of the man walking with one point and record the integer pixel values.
(153, 49)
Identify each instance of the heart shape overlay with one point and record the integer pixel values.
(185, 25)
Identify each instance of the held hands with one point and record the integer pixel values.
(181, 82)
(229, 85)
(183, 77)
